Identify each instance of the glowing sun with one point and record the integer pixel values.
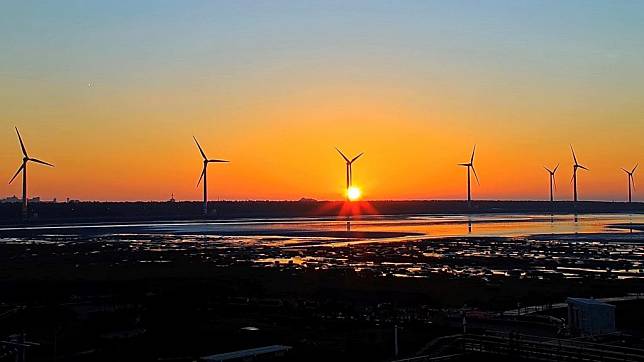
(354, 193)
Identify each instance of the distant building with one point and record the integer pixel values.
(306, 199)
(10, 199)
(262, 353)
(590, 317)
(14, 199)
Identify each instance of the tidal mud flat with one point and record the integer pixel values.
(180, 290)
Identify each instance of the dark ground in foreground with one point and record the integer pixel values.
(127, 298)
(184, 310)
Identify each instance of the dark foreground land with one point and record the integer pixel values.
(177, 298)
(10, 213)
(183, 311)
(132, 295)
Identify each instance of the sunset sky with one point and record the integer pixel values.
(112, 92)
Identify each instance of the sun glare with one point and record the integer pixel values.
(353, 193)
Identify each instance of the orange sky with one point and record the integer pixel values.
(277, 106)
(281, 146)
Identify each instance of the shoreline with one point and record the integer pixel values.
(132, 212)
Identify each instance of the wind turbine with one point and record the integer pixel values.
(552, 180)
(631, 180)
(204, 176)
(349, 170)
(23, 169)
(575, 166)
(469, 166)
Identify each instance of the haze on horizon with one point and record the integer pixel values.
(112, 93)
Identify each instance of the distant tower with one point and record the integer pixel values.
(349, 164)
(23, 168)
(204, 176)
(470, 165)
(575, 166)
(631, 181)
(552, 181)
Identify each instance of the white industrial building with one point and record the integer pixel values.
(590, 317)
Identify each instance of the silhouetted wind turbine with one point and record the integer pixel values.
(469, 166)
(23, 169)
(349, 170)
(552, 180)
(631, 180)
(575, 166)
(204, 176)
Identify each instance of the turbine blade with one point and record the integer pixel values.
(547, 169)
(22, 145)
(623, 169)
(472, 158)
(635, 168)
(358, 156)
(584, 167)
(555, 170)
(554, 181)
(203, 154)
(42, 162)
(201, 176)
(218, 161)
(342, 154)
(464, 164)
(573, 154)
(475, 175)
(17, 172)
(632, 181)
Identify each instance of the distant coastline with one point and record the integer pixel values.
(78, 212)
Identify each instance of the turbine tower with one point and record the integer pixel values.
(204, 176)
(349, 163)
(23, 169)
(552, 181)
(469, 166)
(631, 180)
(575, 166)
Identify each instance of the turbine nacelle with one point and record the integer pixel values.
(349, 161)
(553, 171)
(631, 172)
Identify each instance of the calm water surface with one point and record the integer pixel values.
(425, 226)
(485, 225)
(483, 246)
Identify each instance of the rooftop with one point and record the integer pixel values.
(245, 353)
(588, 301)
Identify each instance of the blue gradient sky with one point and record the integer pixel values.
(292, 79)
